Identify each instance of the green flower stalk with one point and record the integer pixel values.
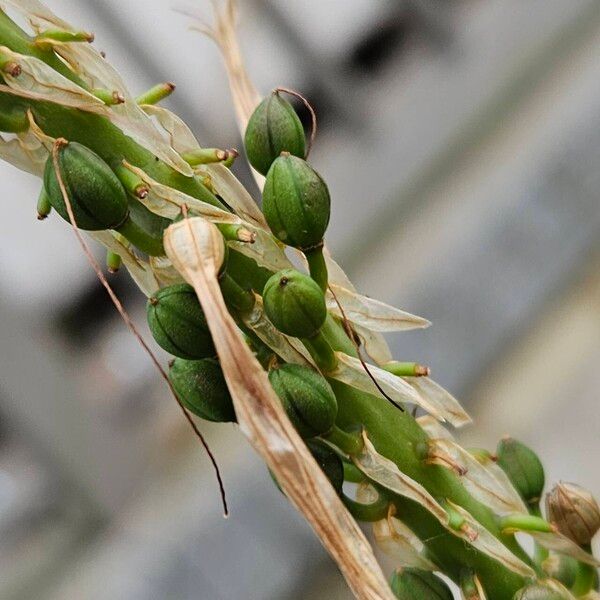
(153, 203)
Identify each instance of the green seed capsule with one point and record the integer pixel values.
(538, 591)
(296, 203)
(274, 127)
(523, 468)
(330, 463)
(97, 197)
(295, 304)
(415, 584)
(306, 397)
(202, 389)
(178, 324)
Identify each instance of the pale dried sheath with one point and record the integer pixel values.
(196, 250)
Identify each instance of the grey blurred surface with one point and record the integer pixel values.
(460, 142)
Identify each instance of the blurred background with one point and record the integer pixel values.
(461, 143)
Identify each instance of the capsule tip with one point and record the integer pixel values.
(247, 236)
(142, 192)
(13, 69)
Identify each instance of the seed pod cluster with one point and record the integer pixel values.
(296, 200)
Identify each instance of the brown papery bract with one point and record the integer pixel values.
(193, 246)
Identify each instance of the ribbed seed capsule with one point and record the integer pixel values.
(306, 397)
(274, 127)
(296, 203)
(97, 198)
(523, 468)
(294, 303)
(330, 463)
(574, 511)
(202, 389)
(178, 324)
(415, 584)
(538, 592)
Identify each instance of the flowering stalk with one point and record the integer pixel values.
(281, 352)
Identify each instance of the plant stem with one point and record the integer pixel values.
(397, 436)
(138, 237)
(587, 577)
(540, 554)
(368, 513)
(317, 266)
(321, 352)
(235, 296)
(352, 474)
(350, 443)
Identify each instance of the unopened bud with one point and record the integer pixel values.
(574, 511)
(416, 584)
(523, 468)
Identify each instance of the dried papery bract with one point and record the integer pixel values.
(196, 249)
(243, 92)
